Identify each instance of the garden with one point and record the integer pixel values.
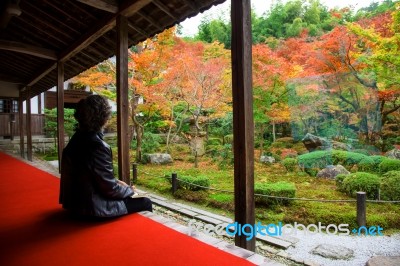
(326, 104)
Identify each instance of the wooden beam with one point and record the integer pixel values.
(165, 9)
(106, 5)
(126, 9)
(28, 49)
(28, 126)
(60, 111)
(21, 126)
(243, 124)
(42, 73)
(129, 8)
(150, 20)
(9, 79)
(122, 99)
(130, 25)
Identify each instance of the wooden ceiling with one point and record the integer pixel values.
(35, 34)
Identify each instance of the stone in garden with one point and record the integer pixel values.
(312, 142)
(336, 145)
(267, 159)
(160, 158)
(333, 252)
(384, 261)
(393, 154)
(331, 171)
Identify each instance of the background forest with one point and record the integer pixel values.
(333, 73)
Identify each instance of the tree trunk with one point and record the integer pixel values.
(273, 132)
(170, 129)
(139, 138)
(262, 140)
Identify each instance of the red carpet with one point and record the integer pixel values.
(34, 230)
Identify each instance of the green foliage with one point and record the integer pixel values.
(389, 165)
(192, 196)
(318, 160)
(193, 183)
(211, 30)
(221, 126)
(370, 164)
(339, 181)
(361, 181)
(390, 186)
(222, 201)
(214, 141)
(290, 164)
(279, 189)
(150, 143)
(51, 121)
(228, 139)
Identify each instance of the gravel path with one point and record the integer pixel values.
(364, 248)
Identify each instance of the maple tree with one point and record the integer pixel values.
(381, 43)
(195, 76)
(270, 72)
(147, 64)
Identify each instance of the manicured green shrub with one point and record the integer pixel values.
(279, 189)
(362, 181)
(370, 164)
(290, 164)
(362, 151)
(389, 165)
(317, 160)
(346, 158)
(339, 181)
(194, 183)
(390, 186)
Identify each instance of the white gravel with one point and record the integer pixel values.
(364, 248)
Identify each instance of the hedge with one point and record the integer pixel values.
(314, 161)
(389, 165)
(279, 189)
(192, 183)
(361, 181)
(390, 186)
(370, 164)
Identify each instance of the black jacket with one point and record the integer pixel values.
(88, 186)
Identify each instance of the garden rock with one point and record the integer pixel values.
(267, 159)
(160, 158)
(336, 145)
(393, 154)
(333, 252)
(312, 142)
(384, 261)
(331, 171)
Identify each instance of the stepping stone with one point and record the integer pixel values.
(384, 261)
(333, 252)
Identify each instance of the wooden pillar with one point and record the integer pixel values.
(60, 111)
(361, 208)
(243, 124)
(21, 126)
(122, 99)
(39, 103)
(28, 125)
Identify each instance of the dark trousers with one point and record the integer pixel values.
(138, 204)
